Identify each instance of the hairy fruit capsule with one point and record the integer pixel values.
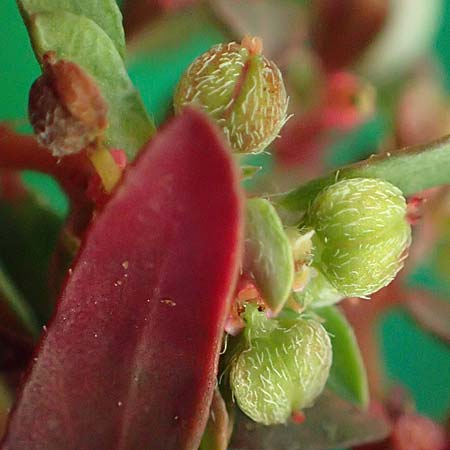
(362, 234)
(66, 108)
(241, 90)
(283, 367)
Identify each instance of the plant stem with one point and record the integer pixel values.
(411, 169)
(105, 166)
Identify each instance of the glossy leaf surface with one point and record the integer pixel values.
(331, 423)
(347, 376)
(105, 13)
(412, 169)
(83, 42)
(268, 253)
(130, 357)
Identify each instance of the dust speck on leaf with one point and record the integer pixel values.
(168, 302)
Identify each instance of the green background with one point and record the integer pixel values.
(418, 360)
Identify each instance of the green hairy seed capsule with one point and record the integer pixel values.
(241, 90)
(362, 234)
(283, 367)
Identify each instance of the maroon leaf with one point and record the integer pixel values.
(331, 423)
(130, 357)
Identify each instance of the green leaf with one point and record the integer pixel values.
(105, 13)
(411, 169)
(16, 315)
(82, 41)
(268, 253)
(348, 376)
(28, 234)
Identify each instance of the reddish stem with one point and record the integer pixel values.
(21, 152)
(363, 316)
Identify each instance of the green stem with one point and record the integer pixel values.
(411, 169)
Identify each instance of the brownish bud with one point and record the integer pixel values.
(66, 108)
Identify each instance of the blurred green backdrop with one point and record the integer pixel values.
(418, 360)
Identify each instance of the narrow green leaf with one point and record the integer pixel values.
(105, 13)
(268, 253)
(82, 41)
(28, 234)
(348, 376)
(16, 314)
(411, 169)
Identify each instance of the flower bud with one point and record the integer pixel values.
(241, 90)
(283, 367)
(362, 234)
(66, 108)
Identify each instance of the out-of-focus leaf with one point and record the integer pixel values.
(268, 253)
(422, 109)
(393, 52)
(218, 429)
(277, 22)
(28, 234)
(331, 423)
(342, 30)
(5, 404)
(82, 41)
(15, 314)
(105, 13)
(411, 169)
(431, 313)
(139, 14)
(164, 33)
(348, 376)
(130, 357)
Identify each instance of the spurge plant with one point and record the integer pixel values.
(191, 308)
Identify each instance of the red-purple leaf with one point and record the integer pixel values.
(130, 357)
